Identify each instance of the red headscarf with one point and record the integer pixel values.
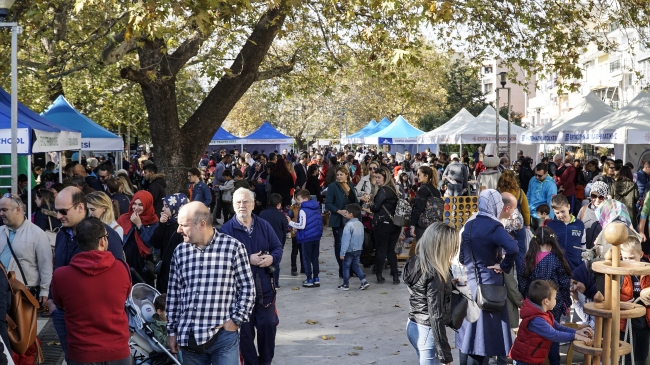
(148, 217)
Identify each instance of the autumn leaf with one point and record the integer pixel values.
(328, 338)
(309, 321)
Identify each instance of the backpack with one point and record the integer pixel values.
(433, 211)
(402, 216)
(21, 316)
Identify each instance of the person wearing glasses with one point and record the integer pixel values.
(587, 214)
(93, 289)
(104, 173)
(367, 185)
(70, 205)
(541, 189)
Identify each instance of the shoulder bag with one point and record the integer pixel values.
(51, 234)
(402, 216)
(489, 297)
(22, 323)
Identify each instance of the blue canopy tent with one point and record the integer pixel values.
(224, 139)
(93, 136)
(400, 135)
(267, 139)
(357, 136)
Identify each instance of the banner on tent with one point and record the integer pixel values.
(478, 139)
(592, 137)
(23, 141)
(539, 137)
(223, 141)
(638, 137)
(266, 141)
(397, 140)
(102, 144)
(56, 141)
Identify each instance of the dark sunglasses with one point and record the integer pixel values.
(542, 175)
(599, 197)
(102, 177)
(65, 211)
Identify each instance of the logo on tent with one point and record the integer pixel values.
(386, 141)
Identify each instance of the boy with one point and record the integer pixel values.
(543, 212)
(568, 229)
(309, 229)
(538, 329)
(631, 291)
(158, 322)
(351, 246)
(227, 189)
(278, 221)
(240, 182)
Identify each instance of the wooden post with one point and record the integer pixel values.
(598, 337)
(607, 323)
(616, 300)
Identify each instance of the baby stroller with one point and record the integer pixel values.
(144, 346)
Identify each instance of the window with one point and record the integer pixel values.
(615, 66)
(487, 70)
(487, 88)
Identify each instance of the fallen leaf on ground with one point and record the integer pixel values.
(329, 273)
(321, 261)
(358, 347)
(384, 292)
(353, 354)
(396, 353)
(309, 321)
(326, 338)
(341, 312)
(398, 305)
(296, 288)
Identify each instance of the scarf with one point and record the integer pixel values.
(490, 204)
(175, 202)
(583, 275)
(147, 217)
(612, 211)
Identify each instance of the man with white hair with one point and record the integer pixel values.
(264, 249)
(211, 291)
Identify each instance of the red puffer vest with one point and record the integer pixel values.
(627, 292)
(529, 347)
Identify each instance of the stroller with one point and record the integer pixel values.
(144, 346)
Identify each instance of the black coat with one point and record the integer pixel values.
(384, 205)
(157, 188)
(166, 239)
(301, 175)
(313, 185)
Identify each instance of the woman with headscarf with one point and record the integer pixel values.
(587, 214)
(165, 237)
(139, 224)
(482, 241)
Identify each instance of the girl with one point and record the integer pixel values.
(100, 206)
(45, 215)
(404, 185)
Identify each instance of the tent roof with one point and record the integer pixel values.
(266, 131)
(484, 123)
(223, 134)
(63, 113)
(635, 115)
(589, 110)
(400, 128)
(28, 118)
(362, 132)
(462, 118)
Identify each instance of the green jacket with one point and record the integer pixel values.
(159, 329)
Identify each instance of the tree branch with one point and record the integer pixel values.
(95, 35)
(182, 54)
(117, 48)
(69, 71)
(274, 72)
(134, 75)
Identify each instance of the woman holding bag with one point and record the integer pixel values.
(386, 233)
(482, 241)
(339, 194)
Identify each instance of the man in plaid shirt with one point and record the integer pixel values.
(211, 291)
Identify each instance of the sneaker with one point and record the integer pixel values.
(294, 271)
(343, 287)
(308, 283)
(316, 282)
(364, 285)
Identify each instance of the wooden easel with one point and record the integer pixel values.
(609, 310)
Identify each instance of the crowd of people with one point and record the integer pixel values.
(213, 249)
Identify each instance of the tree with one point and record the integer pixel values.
(462, 87)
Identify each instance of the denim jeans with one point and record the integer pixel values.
(310, 251)
(421, 337)
(224, 351)
(59, 326)
(352, 261)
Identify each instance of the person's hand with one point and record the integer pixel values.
(255, 258)
(163, 218)
(574, 295)
(496, 268)
(342, 258)
(412, 231)
(645, 300)
(230, 326)
(642, 234)
(173, 345)
(586, 340)
(43, 301)
(266, 260)
(528, 228)
(135, 218)
(52, 306)
(587, 332)
(342, 212)
(288, 219)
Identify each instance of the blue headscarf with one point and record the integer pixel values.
(175, 202)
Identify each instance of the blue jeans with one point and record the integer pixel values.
(352, 260)
(554, 354)
(421, 337)
(224, 351)
(59, 326)
(310, 251)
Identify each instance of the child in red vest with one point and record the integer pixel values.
(538, 329)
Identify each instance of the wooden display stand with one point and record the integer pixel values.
(606, 347)
(458, 209)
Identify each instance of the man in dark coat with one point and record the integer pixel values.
(278, 221)
(301, 171)
(157, 186)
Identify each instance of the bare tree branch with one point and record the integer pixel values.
(134, 75)
(274, 72)
(69, 71)
(117, 48)
(182, 54)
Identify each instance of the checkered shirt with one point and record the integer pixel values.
(207, 288)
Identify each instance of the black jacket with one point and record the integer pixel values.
(157, 187)
(278, 222)
(94, 183)
(166, 239)
(301, 175)
(313, 185)
(420, 204)
(430, 304)
(385, 200)
(123, 201)
(41, 216)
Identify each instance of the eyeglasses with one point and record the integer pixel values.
(65, 211)
(100, 177)
(599, 197)
(373, 168)
(538, 175)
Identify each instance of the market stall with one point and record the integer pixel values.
(399, 136)
(267, 139)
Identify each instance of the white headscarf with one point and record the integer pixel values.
(490, 204)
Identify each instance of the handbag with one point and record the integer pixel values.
(459, 305)
(401, 218)
(489, 297)
(51, 234)
(22, 323)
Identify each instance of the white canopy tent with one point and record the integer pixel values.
(447, 133)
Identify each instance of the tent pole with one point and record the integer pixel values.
(625, 148)
(29, 186)
(60, 169)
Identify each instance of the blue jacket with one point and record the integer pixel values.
(336, 200)
(569, 236)
(145, 233)
(313, 230)
(540, 192)
(263, 238)
(278, 222)
(201, 193)
(66, 246)
(642, 181)
(353, 235)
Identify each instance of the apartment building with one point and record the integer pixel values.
(490, 80)
(615, 77)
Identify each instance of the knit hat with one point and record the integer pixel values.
(601, 188)
(491, 162)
